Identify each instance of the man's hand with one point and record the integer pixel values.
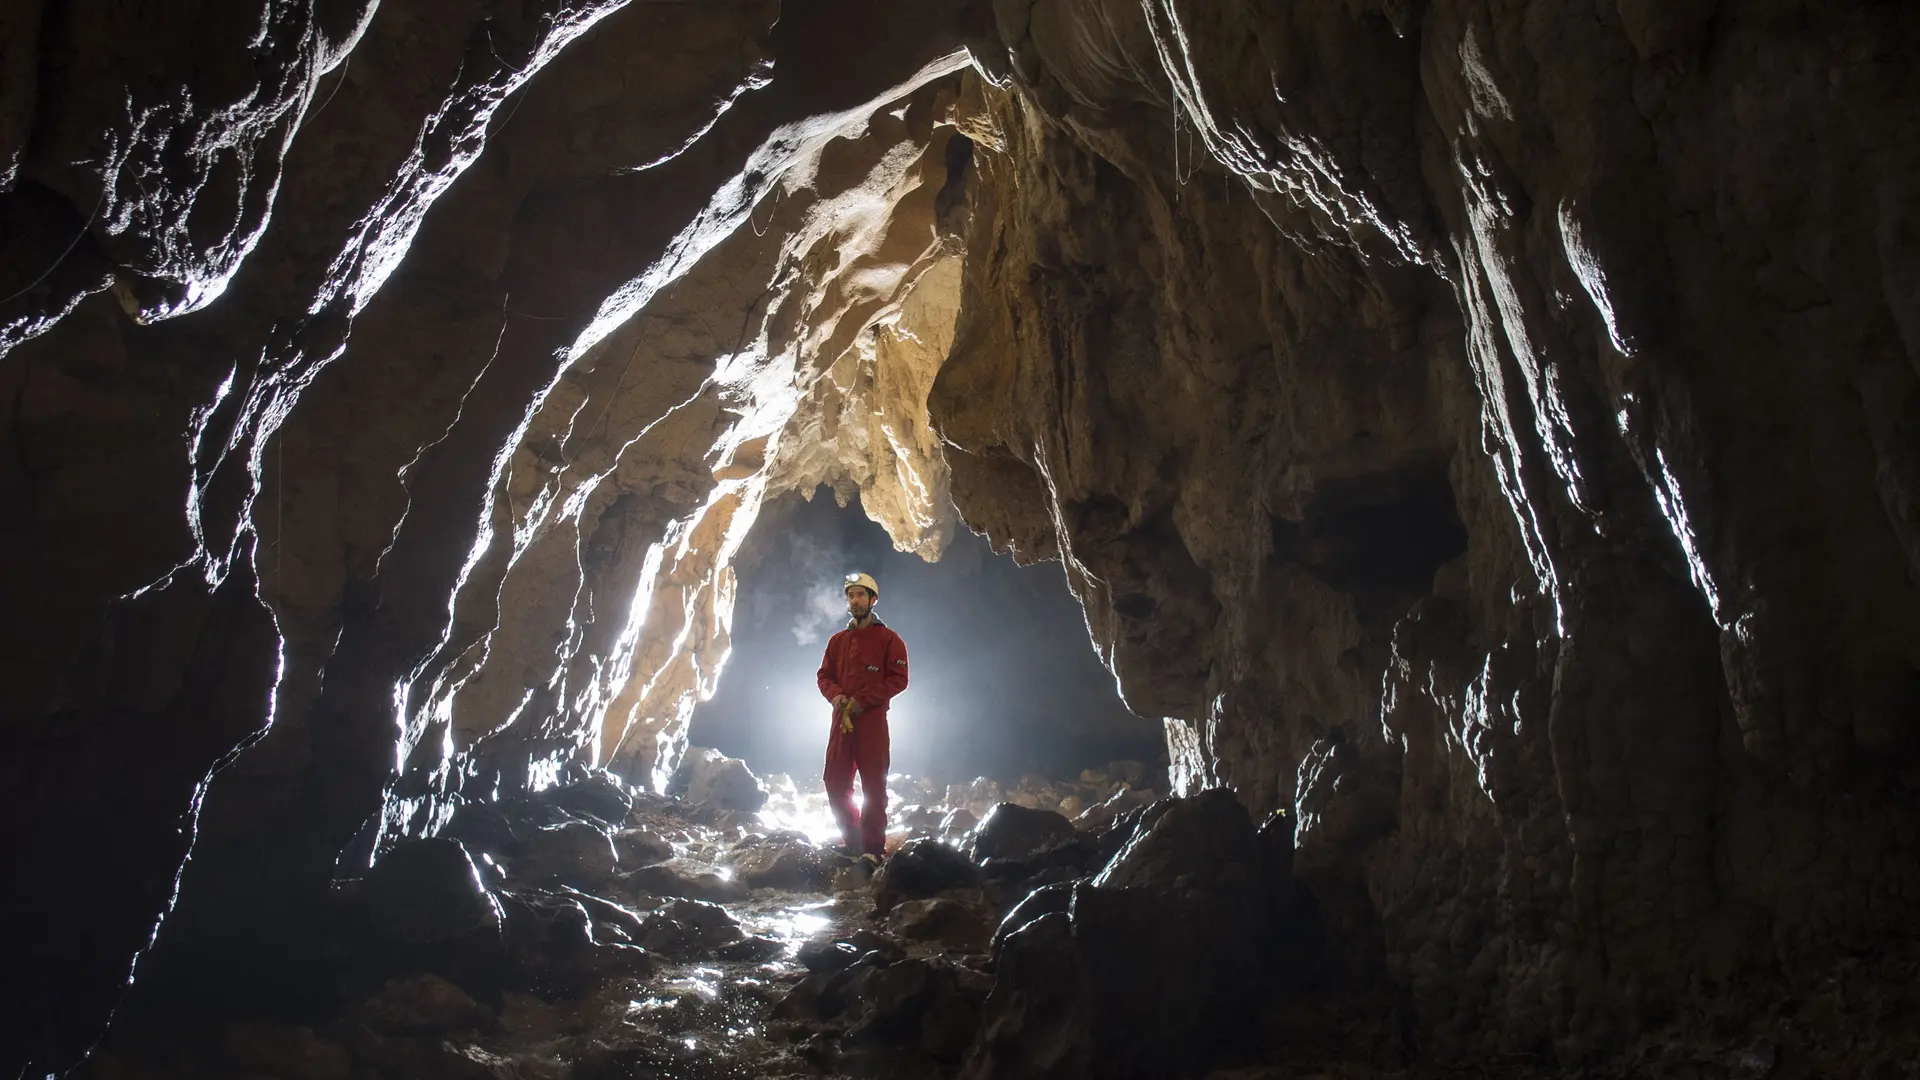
(854, 706)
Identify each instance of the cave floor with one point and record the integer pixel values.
(706, 976)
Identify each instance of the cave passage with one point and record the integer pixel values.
(1005, 680)
(1479, 444)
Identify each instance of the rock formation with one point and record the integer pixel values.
(1487, 434)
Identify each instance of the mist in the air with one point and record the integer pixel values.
(1004, 680)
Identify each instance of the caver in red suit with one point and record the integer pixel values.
(866, 663)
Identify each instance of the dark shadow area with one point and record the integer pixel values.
(1004, 678)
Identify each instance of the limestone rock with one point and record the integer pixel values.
(641, 847)
(1014, 832)
(1065, 1001)
(921, 868)
(709, 778)
(426, 891)
(942, 920)
(572, 852)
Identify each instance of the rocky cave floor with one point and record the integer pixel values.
(596, 931)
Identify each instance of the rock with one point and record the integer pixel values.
(426, 891)
(422, 1003)
(888, 1002)
(1181, 909)
(956, 824)
(827, 956)
(803, 1001)
(667, 879)
(949, 1018)
(1045, 900)
(573, 852)
(941, 920)
(752, 950)
(295, 1053)
(688, 928)
(606, 914)
(976, 797)
(708, 778)
(600, 795)
(921, 868)
(1010, 831)
(550, 942)
(874, 945)
(641, 847)
(1129, 772)
(783, 861)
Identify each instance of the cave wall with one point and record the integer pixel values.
(1486, 433)
(349, 428)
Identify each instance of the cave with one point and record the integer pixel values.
(1480, 445)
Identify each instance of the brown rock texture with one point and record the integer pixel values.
(1486, 432)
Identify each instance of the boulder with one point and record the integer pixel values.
(887, 1003)
(869, 943)
(426, 891)
(922, 867)
(1045, 900)
(573, 852)
(1011, 831)
(956, 824)
(824, 955)
(1104, 813)
(688, 928)
(667, 879)
(641, 847)
(708, 778)
(600, 795)
(950, 1014)
(784, 860)
(752, 950)
(942, 920)
(976, 797)
(1182, 909)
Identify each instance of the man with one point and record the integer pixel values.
(865, 666)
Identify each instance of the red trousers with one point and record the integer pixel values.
(864, 751)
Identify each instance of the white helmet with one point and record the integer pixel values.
(865, 581)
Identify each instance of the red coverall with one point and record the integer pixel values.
(870, 664)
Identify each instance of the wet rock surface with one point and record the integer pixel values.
(1484, 432)
(804, 965)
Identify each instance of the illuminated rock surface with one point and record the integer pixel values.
(1491, 436)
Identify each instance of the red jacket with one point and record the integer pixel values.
(867, 662)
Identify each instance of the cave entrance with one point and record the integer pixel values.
(1006, 684)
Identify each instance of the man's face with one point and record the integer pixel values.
(859, 601)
